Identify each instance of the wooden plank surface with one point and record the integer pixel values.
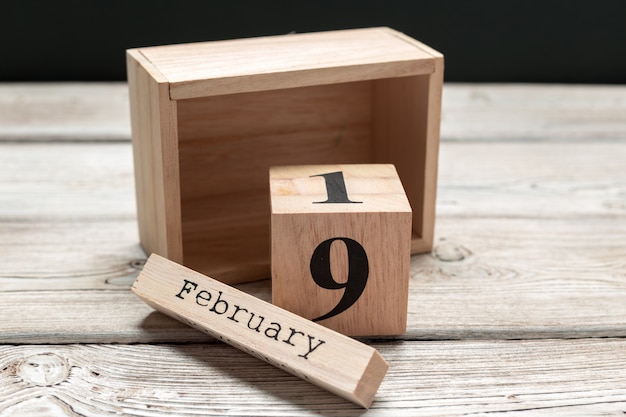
(434, 378)
(519, 253)
(533, 112)
(529, 244)
(67, 112)
(100, 111)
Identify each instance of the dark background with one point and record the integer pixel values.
(483, 41)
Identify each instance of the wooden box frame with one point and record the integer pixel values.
(210, 118)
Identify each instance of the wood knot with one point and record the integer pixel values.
(450, 252)
(45, 369)
(137, 264)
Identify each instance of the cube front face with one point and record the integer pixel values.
(345, 263)
(210, 147)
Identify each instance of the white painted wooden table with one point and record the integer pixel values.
(519, 310)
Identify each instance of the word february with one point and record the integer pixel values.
(255, 322)
(296, 345)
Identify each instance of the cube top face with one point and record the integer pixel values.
(363, 188)
(295, 60)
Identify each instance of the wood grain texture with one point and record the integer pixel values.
(227, 145)
(405, 132)
(529, 245)
(499, 112)
(69, 220)
(518, 253)
(155, 151)
(296, 60)
(432, 378)
(64, 112)
(87, 112)
(471, 287)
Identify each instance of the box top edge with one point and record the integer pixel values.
(263, 38)
(136, 55)
(292, 60)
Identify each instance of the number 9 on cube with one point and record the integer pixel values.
(341, 244)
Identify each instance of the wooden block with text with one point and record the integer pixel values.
(341, 246)
(312, 352)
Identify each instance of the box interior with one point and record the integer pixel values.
(227, 144)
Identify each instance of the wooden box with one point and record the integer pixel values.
(209, 119)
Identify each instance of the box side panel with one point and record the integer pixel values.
(227, 145)
(405, 132)
(433, 129)
(171, 173)
(155, 159)
(139, 87)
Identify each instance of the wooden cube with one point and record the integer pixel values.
(341, 246)
(209, 119)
